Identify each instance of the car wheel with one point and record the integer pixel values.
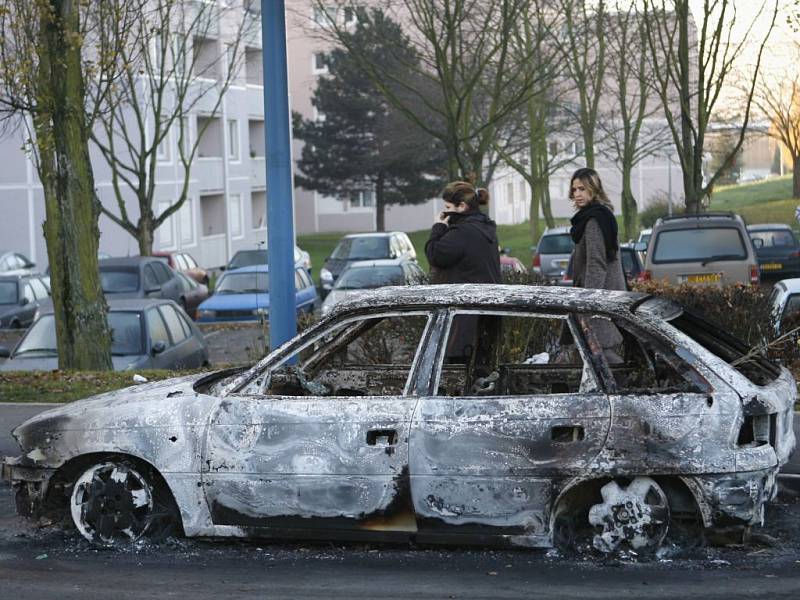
(115, 504)
(635, 515)
(15, 325)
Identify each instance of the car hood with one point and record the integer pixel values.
(236, 302)
(7, 309)
(146, 419)
(50, 363)
(124, 295)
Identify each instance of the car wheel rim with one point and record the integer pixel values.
(112, 504)
(636, 515)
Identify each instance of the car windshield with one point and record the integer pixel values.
(243, 283)
(248, 258)
(698, 245)
(774, 238)
(114, 281)
(126, 335)
(361, 278)
(362, 248)
(8, 292)
(555, 244)
(644, 238)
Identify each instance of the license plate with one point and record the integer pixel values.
(771, 266)
(704, 278)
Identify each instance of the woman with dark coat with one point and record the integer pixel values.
(596, 261)
(463, 244)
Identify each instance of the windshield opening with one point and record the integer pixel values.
(556, 244)
(363, 248)
(119, 281)
(362, 278)
(243, 283)
(774, 238)
(8, 292)
(248, 258)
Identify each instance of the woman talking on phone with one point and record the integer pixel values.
(463, 244)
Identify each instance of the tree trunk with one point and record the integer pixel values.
(533, 212)
(629, 211)
(145, 233)
(796, 176)
(380, 203)
(71, 211)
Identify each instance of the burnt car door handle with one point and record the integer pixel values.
(382, 437)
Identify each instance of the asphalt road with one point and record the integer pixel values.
(49, 562)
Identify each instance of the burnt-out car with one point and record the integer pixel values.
(475, 413)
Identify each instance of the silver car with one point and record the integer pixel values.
(446, 413)
(551, 255)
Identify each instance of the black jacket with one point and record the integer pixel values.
(465, 251)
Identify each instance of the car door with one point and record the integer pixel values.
(28, 310)
(501, 422)
(186, 351)
(159, 343)
(320, 440)
(305, 291)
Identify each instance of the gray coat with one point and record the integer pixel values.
(591, 269)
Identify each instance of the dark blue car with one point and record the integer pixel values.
(243, 295)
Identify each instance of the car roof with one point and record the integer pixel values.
(252, 269)
(127, 261)
(561, 229)
(490, 296)
(699, 221)
(379, 262)
(121, 304)
(372, 234)
(768, 226)
(19, 276)
(792, 285)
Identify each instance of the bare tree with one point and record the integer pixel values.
(48, 51)
(465, 84)
(634, 129)
(778, 97)
(692, 63)
(581, 38)
(185, 56)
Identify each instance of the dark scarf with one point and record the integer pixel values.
(608, 225)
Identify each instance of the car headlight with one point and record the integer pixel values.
(206, 314)
(326, 275)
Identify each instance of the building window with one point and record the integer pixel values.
(362, 199)
(210, 131)
(212, 214)
(253, 66)
(233, 139)
(235, 212)
(186, 215)
(166, 232)
(258, 210)
(349, 15)
(553, 148)
(324, 15)
(255, 133)
(319, 117)
(320, 63)
(164, 149)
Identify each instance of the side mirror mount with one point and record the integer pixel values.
(158, 347)
(152, 290)
(5, 351)
(223, 267)
(30, 265)
(24, 301)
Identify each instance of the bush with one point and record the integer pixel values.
(655, 210)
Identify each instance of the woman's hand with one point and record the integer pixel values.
(443, 218)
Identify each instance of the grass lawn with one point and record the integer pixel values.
(734, 197)
(66, 386)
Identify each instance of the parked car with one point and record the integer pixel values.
(252, 258)
(20, 298)
(183, 262)
(704, 248)
(511, 264)
(365, 246)
(551, 254)
(631, 266)
(370, 274)
(14, 263)
(362, 426)
(194, 294)
(139, 277)
(46, 275)
(243, 295)
(777, 249)
(145, 334)
(784, 301)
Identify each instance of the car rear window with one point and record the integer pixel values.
(556, 244)
(697, 245)
(362, 278)
(774, 238)
(119, 280)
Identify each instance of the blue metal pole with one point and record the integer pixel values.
(280, 199)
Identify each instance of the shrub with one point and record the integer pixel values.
(655, 210)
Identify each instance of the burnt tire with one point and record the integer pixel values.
(118, 503)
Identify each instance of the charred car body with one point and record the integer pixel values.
(434, 413)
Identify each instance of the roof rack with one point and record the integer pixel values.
(729, 214)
